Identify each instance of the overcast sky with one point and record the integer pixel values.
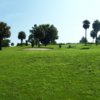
(66, 15)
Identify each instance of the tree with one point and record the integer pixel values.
(31, 39)
(96, 27)
(4, 32)
(12, 44)
(21, 36)
(38, 33)
(53, 33)
(86, 24)
(44, 33)
(98, 39)
(83, 40)
(5, 42)
(26, 42)
(93, 34)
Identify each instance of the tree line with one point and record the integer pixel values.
(45, 34)
(39, 34)
(94, 31)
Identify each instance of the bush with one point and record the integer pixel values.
(5, 43)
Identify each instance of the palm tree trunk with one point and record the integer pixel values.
(21, 42)
(86, 37)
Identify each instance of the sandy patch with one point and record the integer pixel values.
(37, 49)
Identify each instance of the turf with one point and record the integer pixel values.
(58, 74)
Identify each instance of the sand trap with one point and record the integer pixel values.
(37, 49)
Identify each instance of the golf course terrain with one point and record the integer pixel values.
(55, 74)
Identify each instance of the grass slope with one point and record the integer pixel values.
(59, 74)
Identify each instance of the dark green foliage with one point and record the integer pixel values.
(32, 44)
(53, 42)
(86, 25)
(96, 27)
(98, 39)
(83, 40)
(5, 43)
(44, 34)
(21, 36)
(60, 45)
(4, 32)
(19, 44)
(93, 35)
(26, 43)
(85, 48)
(69, 46)
(31, 40)
(12, 44)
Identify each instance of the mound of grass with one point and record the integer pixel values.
(58, 74)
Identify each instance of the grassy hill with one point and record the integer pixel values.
(57, 74)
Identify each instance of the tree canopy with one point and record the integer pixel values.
(83, 40)
(44, 34)
(4, 32)
(86, 25)
(21, 36)
(96, 27)
(93, 34)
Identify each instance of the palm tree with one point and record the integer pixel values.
(93, 34)
(96, 27)
(4, 32)
(86, 25)
(21, 36)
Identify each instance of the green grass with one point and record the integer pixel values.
(57, 74)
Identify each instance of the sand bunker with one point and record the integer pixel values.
(37, 49)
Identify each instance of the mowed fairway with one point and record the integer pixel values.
(57, 74)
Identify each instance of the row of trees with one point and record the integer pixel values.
(42, 34)
(94, 32)
(46, 33)
(39, 34)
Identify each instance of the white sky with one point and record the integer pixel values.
(66, 15)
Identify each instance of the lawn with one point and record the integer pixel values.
(56, 74)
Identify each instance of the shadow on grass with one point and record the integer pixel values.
(85, 48)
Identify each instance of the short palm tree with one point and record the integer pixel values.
(93, 34)
(86, 25)
(21, 36)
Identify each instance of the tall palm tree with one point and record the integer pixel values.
(86, 25)
(21, 36)
(96, 27)
(4, 32)
(93, 34)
